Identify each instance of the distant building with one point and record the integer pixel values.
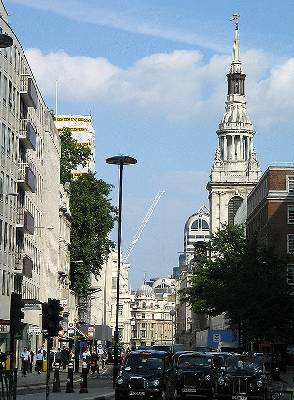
(82, 130)
(151, 319)
(196, 231)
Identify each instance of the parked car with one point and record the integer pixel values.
(147, 374)
(194, 374)
(242, 379)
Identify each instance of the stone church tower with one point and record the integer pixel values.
(235, 169)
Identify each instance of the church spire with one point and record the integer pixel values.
(236, 79)
(236, 61)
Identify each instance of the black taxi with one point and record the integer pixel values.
(195, 375)
(146, 374)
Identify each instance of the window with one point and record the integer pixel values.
(290, 243)
(144, 305)
(1, 237)
(290, 274)
(120, 309)
(233, 206)
(142, 334)
(143, 325)
(8, 284)
(3, 282)
(290, 214)
(5, 84)
(291, 184)
(113, 283)
(5, 236)
(143, 316)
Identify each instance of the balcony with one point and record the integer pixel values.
(25, 221)
(28, 91)
(24, 265)
(26, 177)
(27, 134)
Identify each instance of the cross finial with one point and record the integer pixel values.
(236, 18)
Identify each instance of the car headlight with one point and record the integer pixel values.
(120, 381)
(207, 377)
(221, 381)
(154, 383)
(259, 383)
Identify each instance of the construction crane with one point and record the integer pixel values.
(142, 226)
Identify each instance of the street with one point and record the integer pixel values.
(32, 387)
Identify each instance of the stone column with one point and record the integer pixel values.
(225, 148)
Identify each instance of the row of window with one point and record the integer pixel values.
(7, 237)
(6, 282)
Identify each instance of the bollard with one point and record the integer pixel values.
(84, 383)
(69, 381)
(56, 380)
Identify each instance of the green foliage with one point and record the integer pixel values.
(93, 218)
(245, 281)
(72, 155)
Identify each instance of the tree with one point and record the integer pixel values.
(247, 282)
(73, 154)
(93, 218)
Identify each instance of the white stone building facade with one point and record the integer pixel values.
(29, 192)
(151, 318)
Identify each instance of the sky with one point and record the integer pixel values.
(152, 73)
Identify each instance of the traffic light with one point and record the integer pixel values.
(16, 313)
(51, 317)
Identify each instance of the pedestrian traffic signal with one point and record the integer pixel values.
(16, 314)
(51, 317)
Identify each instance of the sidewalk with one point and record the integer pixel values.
(99, 387)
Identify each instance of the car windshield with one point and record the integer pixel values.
(162, 348)
(143, 361)
(242, 365)
(193, 360)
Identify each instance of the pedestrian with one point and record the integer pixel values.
(25, 361)
(94, 362)
(86, 356)
(58, 357)
(39, 361)
(64, 356)
(32, 356)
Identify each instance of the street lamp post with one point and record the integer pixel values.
(120, 161)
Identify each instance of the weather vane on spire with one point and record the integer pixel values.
(236, 18)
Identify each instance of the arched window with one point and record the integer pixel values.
(233, 206)
(144, 305)
(205, 226)
(195, 225)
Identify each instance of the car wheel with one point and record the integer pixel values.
(163, 395)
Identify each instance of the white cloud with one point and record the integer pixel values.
(180, 84)
(80, 78)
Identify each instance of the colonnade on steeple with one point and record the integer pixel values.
(235, 147)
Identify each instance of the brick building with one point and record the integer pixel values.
(270, 213)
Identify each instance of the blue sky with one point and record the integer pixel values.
(153, 75)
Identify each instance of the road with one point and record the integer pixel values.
(99, 387)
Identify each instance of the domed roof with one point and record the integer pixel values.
(145, 291)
